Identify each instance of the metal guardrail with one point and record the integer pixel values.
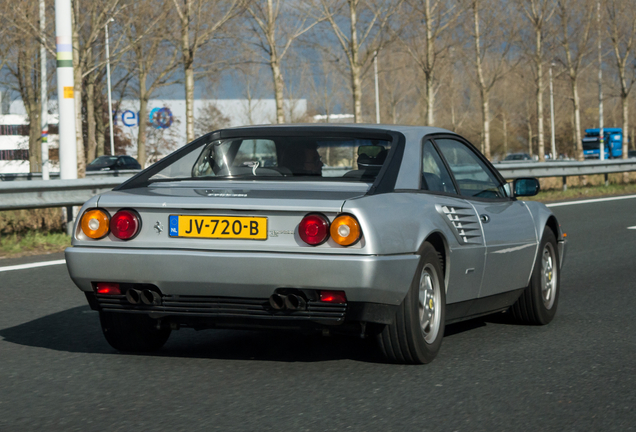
(64, 193)
(56, 175)
(53, 193)
(565, 169)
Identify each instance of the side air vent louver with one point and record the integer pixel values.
(463, 222)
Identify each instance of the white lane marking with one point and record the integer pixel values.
(32, 265)
(634, 227)
(590, 201)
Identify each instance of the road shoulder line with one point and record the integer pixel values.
(593, 200)
(32, 265)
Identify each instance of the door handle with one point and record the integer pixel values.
(484, 218)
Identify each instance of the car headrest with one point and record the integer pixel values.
(364, 160)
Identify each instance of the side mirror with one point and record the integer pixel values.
(526, 187)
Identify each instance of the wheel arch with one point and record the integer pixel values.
(554, 226)
(439, 242)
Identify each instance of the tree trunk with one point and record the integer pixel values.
(35, 139)
(430, 54)
(100, 128)
(188, 69)
(539, 64)
(485, 116)
(505, 133)
(483, 91)
(143, 122)
(430, 100)
(625, 102)
(32, 106)
(77, 94)
(529, 125)
(356, 84)
(578, 145)
(279, 85)
(91, 145)
(189, 88)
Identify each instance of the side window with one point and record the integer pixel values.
(435, 176)
(472, 175)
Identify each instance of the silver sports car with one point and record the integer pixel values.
(389, 232)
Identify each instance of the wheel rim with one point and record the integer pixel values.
(429, 303)
(548, 276)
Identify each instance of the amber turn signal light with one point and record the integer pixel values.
(95, 224)
(345, 230)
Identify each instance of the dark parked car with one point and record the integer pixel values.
(113, 163)
(518, 157)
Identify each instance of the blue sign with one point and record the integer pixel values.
(161, 118)
(129, 118)
(174, 226)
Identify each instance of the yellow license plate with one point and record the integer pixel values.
(218, 227)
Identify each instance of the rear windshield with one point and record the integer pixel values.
(281, 158)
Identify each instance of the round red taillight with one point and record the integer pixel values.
(125, 224)
(314, 229)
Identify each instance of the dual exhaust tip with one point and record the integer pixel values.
(146, 297)
(291, 302)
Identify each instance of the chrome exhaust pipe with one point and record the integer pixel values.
(133, 296)
(294, 302)
(277, 301)
(150, 298)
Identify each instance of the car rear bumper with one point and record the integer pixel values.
(369, 279)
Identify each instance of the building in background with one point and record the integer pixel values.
(14, 143)
(165, 120)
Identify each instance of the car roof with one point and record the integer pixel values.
(335, 127)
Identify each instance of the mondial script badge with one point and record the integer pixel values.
(276, 233)
(158, 227)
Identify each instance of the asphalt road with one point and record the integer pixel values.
(578, 373)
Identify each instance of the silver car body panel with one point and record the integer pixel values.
(373, 279)
(378, 269)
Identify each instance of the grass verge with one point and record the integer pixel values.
(32, 243)
(574, 193)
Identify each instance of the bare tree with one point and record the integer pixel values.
(538, 13)
(278, 25)
(89, 19)
(622, 29)
(199, 23)
(491, 60)
(575, 42)
(153, 59)
(427, 38)
(361, 37)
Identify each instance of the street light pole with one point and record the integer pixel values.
(44, 96)
(552, 139)
(600, 85)
(377, 91)
(110, 99)
(65, 87)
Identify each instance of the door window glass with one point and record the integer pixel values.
(435, 176)
(471, 174)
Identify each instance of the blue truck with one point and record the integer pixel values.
(612, 138)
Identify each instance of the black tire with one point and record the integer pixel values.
(132, 333)
(537, 306)
(406, 341)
